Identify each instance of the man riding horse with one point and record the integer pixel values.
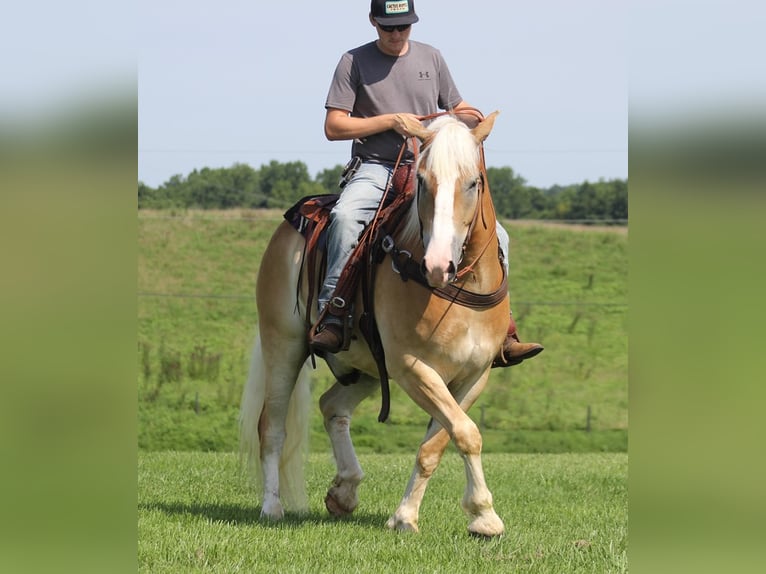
(377, 95)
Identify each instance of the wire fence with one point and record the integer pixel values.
(250, 297)
(197, 215)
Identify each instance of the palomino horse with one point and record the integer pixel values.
(438, 350)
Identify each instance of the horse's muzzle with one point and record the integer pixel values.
(437, 276)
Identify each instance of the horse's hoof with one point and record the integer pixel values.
(274, 514)
(401, 525)
(486, 526)
(335, 508)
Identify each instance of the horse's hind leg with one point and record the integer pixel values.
(337, 406)
(280, 388)
(283, 360)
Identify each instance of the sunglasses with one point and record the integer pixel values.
(402, 28)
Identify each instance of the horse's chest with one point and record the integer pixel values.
(440, 338)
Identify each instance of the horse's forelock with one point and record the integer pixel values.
(453, 152)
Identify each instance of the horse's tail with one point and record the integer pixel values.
(292, 484)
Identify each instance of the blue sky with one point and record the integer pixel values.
(245, 81)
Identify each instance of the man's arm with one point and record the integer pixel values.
(339, 125)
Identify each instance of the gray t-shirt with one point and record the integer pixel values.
(368, 82)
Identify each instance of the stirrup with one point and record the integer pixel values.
(336, 321)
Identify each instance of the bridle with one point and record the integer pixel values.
(479, 210)
(403, 263)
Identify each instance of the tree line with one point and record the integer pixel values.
(279, 185)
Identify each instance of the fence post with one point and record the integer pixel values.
(587, 421)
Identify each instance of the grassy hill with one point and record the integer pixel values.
(196, 277)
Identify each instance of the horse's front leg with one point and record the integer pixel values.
(429, 391)
(429, 456)
(337, 406)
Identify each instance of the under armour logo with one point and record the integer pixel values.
(424, 75)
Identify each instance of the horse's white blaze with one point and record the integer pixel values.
(451, 160)
(439, 252)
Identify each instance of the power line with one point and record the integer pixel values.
(193, 296)
(334, 152)
(239, 150)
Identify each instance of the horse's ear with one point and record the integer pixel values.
(481, 131)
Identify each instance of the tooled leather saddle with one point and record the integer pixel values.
(310, 217)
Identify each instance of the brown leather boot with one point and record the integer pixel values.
(513, 350)
(328, 339)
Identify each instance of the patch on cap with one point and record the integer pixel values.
(397, 7)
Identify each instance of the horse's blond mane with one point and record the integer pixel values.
(410, 231)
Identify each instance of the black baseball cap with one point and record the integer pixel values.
(393, 12)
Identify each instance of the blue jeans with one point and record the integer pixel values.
(354, 210)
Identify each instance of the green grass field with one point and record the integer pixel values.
(562, 512)
(197, 316)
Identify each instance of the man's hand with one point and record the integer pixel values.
(407, 125)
